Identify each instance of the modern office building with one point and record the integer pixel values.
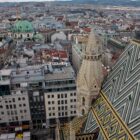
(60, 94)
(38, 94)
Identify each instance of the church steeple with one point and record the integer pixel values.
(93, 50)
(90, 75)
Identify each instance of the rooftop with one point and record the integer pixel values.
(50, 71)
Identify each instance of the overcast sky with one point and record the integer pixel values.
(25, 0)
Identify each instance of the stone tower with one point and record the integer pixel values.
(90, 74)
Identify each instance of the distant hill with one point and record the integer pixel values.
(111, 2)
(98, 2)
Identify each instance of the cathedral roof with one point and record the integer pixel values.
(23, 26)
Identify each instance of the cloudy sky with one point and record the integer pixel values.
(25, 0)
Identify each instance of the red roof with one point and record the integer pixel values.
(56, 53)
(87, 30)
(63, 54)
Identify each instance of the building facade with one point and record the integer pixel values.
(38, 95)
(14, 112)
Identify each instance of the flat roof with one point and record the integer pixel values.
(26, 134)
(64, 73)
(5, 72)
(11, 135)
(3, 136)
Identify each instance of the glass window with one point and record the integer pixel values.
(17, 118)
(7, 107)
(59, 102)
(65, 101)
(58, 96)
(10, 106)
(62, 113)
(12, 113)
(2, 113)
(62, 107)
(13, 99)
(61, 95)
(1, 106)
(15, 112)
(14, 106)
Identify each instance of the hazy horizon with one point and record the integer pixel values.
(29, 0)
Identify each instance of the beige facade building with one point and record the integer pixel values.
(77, 51)
(90, 75)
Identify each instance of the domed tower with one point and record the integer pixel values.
(90, 75)
(22, 29)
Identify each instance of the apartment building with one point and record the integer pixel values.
(38, 95)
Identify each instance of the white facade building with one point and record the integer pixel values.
(59, 36)
(14, 108)
(60, 104)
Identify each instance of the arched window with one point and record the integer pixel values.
(83, 100)
(83, 112)
(21, 36)
(28, 35)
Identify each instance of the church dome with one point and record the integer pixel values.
(23, 26)
(38, 37)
